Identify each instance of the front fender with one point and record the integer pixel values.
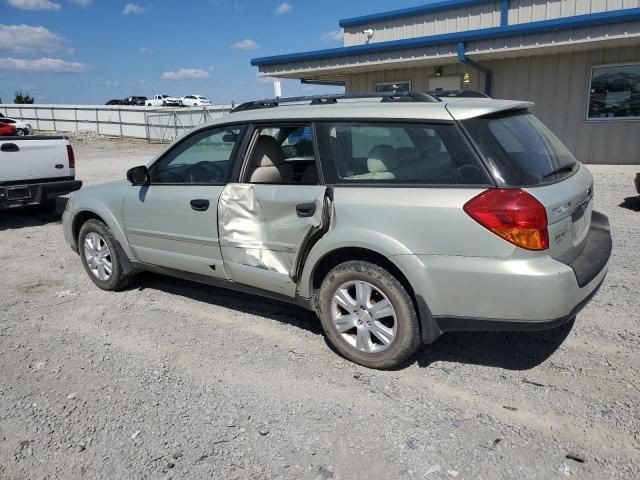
(111, 215)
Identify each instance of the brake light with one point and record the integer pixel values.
(72, 157)
(514, 215)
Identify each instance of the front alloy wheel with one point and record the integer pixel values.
(102, 257)
(98, 256)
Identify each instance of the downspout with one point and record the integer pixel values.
(462, 58)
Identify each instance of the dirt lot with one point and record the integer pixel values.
(170, 379)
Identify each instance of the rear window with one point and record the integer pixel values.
(411, 153)
(520, 150)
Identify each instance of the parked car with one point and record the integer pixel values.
(36, 170)
(637, 183)
(393, 221)
(193, 101)
(139, 101)
(116, 102)
(7, 130)
(162, 101)
(22, 128)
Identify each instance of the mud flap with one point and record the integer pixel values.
(263, 230)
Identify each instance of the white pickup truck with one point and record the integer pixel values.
(35, 170)
(162, 101)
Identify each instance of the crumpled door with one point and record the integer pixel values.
(262, 229)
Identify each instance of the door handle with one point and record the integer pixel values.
(199, 204)
(9, 147)
(305, 209)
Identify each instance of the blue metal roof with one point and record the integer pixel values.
(591, 19)
(409, 12)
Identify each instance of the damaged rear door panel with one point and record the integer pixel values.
(266, 230)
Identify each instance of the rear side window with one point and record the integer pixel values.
(397, 153)
(520, 150)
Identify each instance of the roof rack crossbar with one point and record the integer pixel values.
(333, 98)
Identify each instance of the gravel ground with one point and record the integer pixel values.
(170, 379)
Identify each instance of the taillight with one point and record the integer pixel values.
(72, 157)
(514, 215)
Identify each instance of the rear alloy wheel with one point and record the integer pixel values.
(100, 256)
(368, 315)
(21, 132)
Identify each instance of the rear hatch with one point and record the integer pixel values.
(520, 152)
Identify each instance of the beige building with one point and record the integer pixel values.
(578, 60)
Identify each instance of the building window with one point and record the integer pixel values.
(393, 87)
(614, 92)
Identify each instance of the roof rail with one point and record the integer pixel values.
(457, 94)
(333, 98)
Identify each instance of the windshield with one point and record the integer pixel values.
(520, 150)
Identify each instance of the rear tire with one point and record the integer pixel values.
(101, 256)
(379, 326)
(21, 132)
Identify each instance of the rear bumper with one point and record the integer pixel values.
(529, 291)
(35, 193)
(460, 324)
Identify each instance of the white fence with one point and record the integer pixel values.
(152, 124)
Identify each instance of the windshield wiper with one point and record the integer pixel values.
(564, 168)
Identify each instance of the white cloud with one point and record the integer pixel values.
(283, 8)
(25, 38)
(246, 44)
(333, 36)
(82, 3)
(43, 65)
(132, 8)
(70, 51)
(146, 51)
(186, 73)
(34, 4)
(112, 83)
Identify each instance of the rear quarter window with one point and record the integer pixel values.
(398, 153)
(520, 150)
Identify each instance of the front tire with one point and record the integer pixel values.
(21, 132)
(180, 103)
(368, 316)
(101, 256)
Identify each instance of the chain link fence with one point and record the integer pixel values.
(165, 126)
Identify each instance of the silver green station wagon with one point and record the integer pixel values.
(395, 217)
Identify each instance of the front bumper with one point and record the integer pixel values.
(533, 292)
(12, 196)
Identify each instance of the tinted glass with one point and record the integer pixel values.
(202, 158)
(520, 150)
(615, 92)
(398, 153)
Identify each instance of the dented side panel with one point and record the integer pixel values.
(261, 231)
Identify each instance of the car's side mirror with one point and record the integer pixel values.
(138, 175)
(229, 137)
